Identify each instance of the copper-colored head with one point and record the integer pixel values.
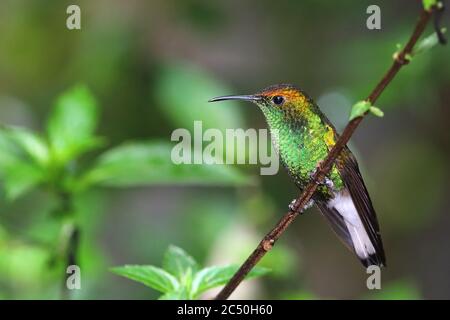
(276, 95)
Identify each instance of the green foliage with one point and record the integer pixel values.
(177, 261)
(19, 177)
(33, 144)
(151, 276)
(32, 159)
(428, 4)
(181, 276)
(215, 276)
(148, 163)
(20, 155)
(145, 93)
(72, 123)
(27, 159)
(361, 107)
(398, 290)
(23, 267)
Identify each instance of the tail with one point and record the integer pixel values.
(352, 216)
(344, 219)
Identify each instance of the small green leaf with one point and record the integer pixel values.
(362, 107)
(359, 109)
(136, 164)
(376, 111)
(427, 43)
(72, 123)
(428, 4)
(151, 276)
(17, 173)
(178, 263)
(24, 263)
(397, 290)
(31, 143)
(9, 151)
(211, 277)
(19, 177)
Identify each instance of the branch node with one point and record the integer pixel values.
(401, 59)
(267, 244)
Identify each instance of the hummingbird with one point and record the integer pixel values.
(302, 136)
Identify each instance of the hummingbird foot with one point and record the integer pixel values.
(323, 182)
(301, 210)
(328, 182)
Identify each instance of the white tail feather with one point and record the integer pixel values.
(343, 203)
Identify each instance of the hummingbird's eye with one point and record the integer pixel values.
(278, 100)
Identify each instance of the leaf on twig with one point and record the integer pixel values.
(376, 111)
(153, 277)
(178, 262)
(362, 107)
(427, 43)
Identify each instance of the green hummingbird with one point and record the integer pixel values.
(302, 136)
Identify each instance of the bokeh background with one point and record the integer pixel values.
(152, 65)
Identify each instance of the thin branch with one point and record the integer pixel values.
(71, 257)
(324, 167)
(69, 239)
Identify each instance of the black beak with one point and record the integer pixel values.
(242, 97)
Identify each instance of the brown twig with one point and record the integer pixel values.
(70, 255)
(400, 59)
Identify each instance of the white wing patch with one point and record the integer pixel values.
(343, 203)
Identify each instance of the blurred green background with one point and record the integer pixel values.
(151, 66)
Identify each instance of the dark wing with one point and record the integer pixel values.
(337, 223)
(341, 228)
(368, 229)
(353, 180)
